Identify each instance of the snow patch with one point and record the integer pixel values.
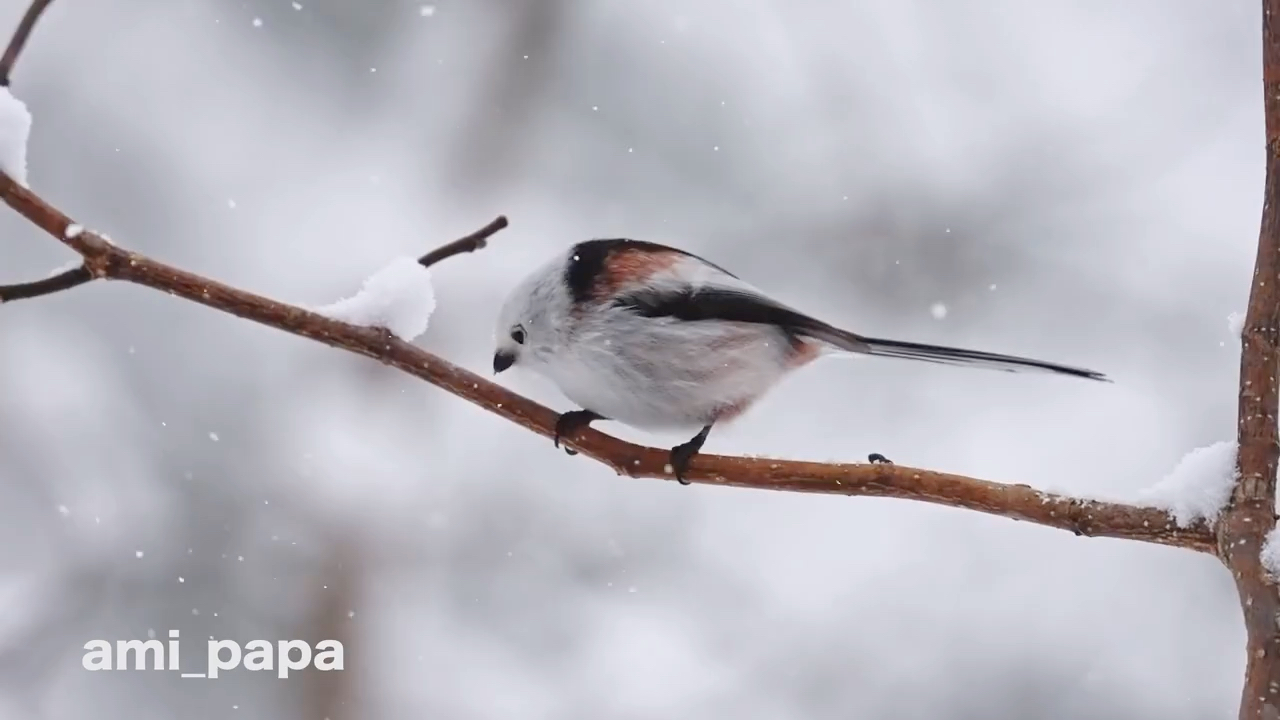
(399, 298)
(1271, 553)
(15, 128)
(1235, 323)
(1199, 486)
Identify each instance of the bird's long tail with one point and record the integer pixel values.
(880, 347)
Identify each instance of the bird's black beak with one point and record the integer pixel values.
(502, 360)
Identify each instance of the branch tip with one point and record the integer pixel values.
(470, 243)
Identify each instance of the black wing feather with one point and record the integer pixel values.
(726, 304)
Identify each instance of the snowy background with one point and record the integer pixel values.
(1079, 181)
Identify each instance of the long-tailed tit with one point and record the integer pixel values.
(658, 338)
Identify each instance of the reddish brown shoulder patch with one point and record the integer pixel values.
(626, 268)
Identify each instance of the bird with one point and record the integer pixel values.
(659, 338)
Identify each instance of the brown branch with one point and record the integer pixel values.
(471, 243)
(57, 283)
(1019, 502)
(19, 39)
(1251, 513)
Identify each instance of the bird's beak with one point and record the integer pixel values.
(502, 360)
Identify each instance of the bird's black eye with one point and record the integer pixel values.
(517, 334)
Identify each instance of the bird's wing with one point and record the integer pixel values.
(692, 290)
(657, 281)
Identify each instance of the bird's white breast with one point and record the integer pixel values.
(663, 373)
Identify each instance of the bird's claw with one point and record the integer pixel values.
(680, 457)
(570, 422)
(684, 452)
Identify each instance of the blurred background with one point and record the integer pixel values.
(1078, 181)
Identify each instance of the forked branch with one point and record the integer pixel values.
(1019, 502)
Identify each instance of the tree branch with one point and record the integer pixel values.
(1251, 513)
(1019, 502)
(62, 281)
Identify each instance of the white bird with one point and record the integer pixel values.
(661, 339)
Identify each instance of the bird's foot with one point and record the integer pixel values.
(570, 422)
(878, 459)
(684, 452)
(680, 457)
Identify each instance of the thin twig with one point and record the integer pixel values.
(19, 39)
(470, 243)
(62, 281)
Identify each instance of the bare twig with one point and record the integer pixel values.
(471, 243)
(1251, 513)
(62, 281)
(19, 39)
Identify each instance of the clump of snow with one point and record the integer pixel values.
(15, 128)
(1199, 487)
(399, 298)
(73, 231)
(1235, 323)
(1271, 553)
(938, 311)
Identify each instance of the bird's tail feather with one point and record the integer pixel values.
(879, 347)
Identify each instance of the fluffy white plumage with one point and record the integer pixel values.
(650, 373)
(660, 339)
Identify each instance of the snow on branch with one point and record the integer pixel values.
(1199, 486)
(15, 119)
(398, 298)
(15, 128)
